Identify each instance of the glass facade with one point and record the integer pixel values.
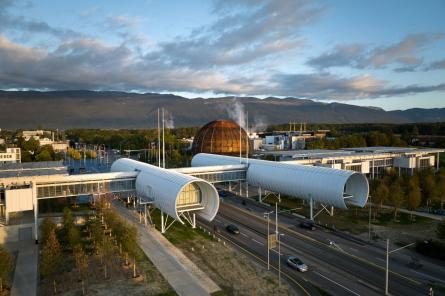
(216, 177)
(190, 195)
(85, 188)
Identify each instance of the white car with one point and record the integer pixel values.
(296, 263)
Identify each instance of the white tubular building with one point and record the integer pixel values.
(333, 187)
(175, 194)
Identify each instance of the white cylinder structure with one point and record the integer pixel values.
(172, 192)
(333, 187)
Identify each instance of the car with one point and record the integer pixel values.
(232, 229)
(308, 225)
(222, 193)
(296, 263)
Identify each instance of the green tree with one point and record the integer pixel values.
(74, 236)
(51, 257)
(414, 197)
(32, 145)
(46, 228)
(5, 267)
(396, 197)
(67, 219)
(381, 193)
(44, 156)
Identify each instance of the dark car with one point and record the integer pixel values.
(308, 225)
(222, 193)
(232, 229)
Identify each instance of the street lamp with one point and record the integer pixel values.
(387, 261)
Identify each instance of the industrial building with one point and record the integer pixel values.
(370, 161)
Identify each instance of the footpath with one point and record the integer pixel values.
(181, 273)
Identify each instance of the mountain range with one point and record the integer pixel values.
(109, 109)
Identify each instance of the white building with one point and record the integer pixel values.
(371, 161)
(12, 155)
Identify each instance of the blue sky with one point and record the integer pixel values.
(389, 54)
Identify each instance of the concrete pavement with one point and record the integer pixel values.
(181, 273)
(25, 274)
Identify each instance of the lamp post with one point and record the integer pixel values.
(369, 220)
(387, 262)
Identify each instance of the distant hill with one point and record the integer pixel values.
(95, 109)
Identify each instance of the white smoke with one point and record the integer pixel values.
(168, 119)
(236, 111)
(257, 124)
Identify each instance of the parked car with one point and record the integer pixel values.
(308, 225)
(296, 263)
(232, 229)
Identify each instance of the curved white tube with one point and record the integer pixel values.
(329, 186)
(165, 187)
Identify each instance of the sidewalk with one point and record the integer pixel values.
(181, 273)
(25, 275)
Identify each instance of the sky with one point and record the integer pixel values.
(382, 53)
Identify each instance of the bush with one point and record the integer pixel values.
(434, 249)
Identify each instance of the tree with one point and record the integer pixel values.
(81, 260)
(396, 197)
(414, 196)
(428, 184)
(46, 228)
(51, 256)
(381, 194)
(74, 236)
(440, 187)
(440, 231)
(5, 267)
(67, 219)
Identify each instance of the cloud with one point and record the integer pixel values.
(244, 31)
(437, 65)
(9, 22)
(90, 64)
(326, 86)
(404, 53)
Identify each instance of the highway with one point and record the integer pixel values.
(347, 267)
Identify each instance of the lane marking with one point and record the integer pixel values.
(340, 285)
(257, 242)
(243, 234)
(322, 244)
(428, 276)
(265, 262)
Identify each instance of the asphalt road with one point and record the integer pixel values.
(347, 267)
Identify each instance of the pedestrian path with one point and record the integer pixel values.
(25, 274)
(181, 273)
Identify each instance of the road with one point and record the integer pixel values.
(347, 267)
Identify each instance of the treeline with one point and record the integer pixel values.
(32, 151)
(437, 128)
(374, 138)
(425, 188)
(128, 139)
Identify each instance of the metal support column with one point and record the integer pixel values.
(194, 220)
(240, 188)
(260, 198)
(162, 222)
(230, 186)
(247, 189)
(36, 212)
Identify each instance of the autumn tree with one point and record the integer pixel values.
(5, 267)
(81, 260)
(51, 256)
(414, 196)
(396, 197)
